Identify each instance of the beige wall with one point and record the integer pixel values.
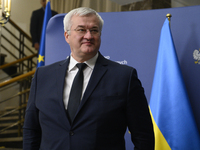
(21, 11)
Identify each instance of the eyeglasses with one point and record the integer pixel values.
(82, 31)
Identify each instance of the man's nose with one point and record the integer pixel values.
(88, 34)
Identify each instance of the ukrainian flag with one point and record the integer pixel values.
(174, 124)
(41, 54)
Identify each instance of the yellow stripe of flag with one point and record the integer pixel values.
(160, 141)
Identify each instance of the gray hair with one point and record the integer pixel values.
(82, 11)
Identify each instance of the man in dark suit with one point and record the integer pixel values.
(36, 24)
(112, 97)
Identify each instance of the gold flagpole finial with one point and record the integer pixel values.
(169, 17)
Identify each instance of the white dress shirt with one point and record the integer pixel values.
(71, 73)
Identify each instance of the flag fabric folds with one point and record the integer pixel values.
(41, 53)
(174, 124)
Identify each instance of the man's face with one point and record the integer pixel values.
(84, 45)
(43, 3)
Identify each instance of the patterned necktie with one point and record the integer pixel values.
(76, 92)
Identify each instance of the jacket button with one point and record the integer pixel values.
(71, 133)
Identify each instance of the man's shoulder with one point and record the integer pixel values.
(54, 12)
(37, 11)
(115, 64)
(54, 65)
(50, 71)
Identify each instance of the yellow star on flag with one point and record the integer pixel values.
(40, 58)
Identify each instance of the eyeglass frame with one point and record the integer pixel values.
(86, 30)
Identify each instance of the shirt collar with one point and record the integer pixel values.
(90, 63)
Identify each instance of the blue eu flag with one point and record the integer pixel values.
(41, 54)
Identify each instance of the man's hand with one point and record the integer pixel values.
(37, 46)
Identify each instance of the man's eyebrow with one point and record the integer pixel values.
(82, 26)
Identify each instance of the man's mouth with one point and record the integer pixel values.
(87, 43)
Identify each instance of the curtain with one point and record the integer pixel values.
(102, 5)
(64, 6)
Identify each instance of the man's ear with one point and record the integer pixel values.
(66, 37)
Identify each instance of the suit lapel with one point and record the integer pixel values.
(61, 73)
(98, 72)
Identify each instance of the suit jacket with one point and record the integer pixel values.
(114, 100)
(36, 24)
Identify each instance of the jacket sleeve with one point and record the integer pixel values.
(34, 28)
(31, 128)
(138, 116)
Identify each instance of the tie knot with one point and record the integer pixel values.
(81, 66)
